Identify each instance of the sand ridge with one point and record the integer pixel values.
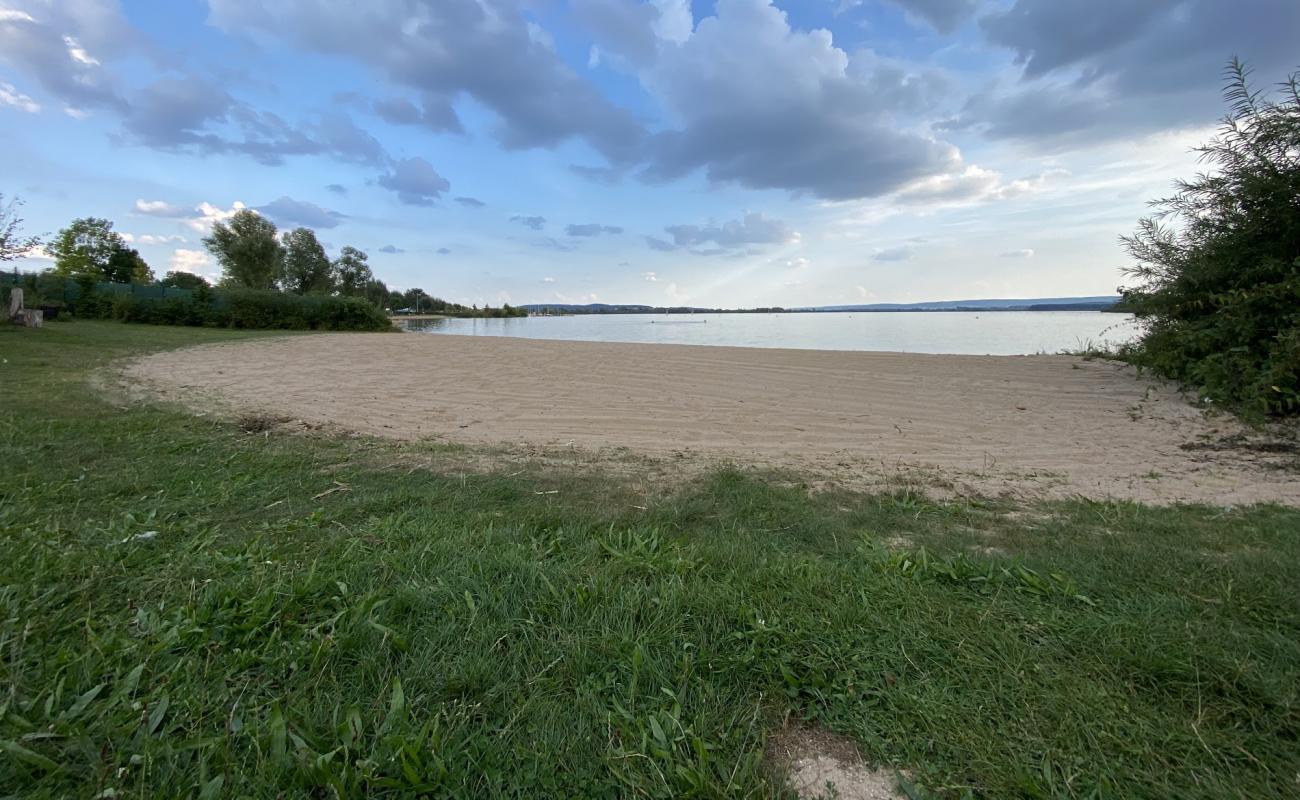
(1050, 425)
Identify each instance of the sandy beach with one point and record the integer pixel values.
(1054, 426)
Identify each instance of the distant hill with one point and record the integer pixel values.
(1093, 303)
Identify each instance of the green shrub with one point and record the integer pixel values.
(234, 308)
(1219, 265)
(252, 308)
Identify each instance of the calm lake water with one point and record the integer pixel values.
(979, 333)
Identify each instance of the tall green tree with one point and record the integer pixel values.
(376, 291)
(247, 249)
(126, 265)
(180, 279)
(351, 271)
(1218, 266)
(306, 267)
(84, 247)
(12, 243)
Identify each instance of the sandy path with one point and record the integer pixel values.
(1052, 425)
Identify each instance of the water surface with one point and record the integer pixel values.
(977, 333)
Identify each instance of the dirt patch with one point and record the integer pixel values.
(817, 763)
(1022, 428)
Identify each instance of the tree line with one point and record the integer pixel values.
(251, 251)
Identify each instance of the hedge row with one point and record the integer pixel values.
(226, 308)
(245, 308)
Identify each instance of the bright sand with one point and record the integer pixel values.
(1026, 425)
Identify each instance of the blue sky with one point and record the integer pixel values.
(716, 152)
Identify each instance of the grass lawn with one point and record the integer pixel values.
(188, 609)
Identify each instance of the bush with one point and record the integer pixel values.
(251, 308)
(202, 306)
(1219, 265)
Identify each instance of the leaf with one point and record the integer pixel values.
(658, 731)
(352, 727)
(396, 706)
(156, 716)
(279, 734)
(81, 702)
(27, 756)
(212, 789)
(131, 681)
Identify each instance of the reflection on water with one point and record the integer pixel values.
(992, 332)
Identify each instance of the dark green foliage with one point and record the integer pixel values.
(376, 291)
(188, 610)
(307, 269)
(254, 309)
(165, 303)
(352, 271)
(1218, 267)
(181, 279)
(248, 251)
(87, 248)
(126, 265)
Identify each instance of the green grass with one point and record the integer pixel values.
(187, 610)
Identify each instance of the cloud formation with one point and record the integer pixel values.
(289, 212)
(974, 184)
(63, 46)
(160, 208)
(753, 229)
(765, 106)
(592, 229)
(391, 249)
(536, 223)
(1104, 69)
(415, 181)
(197, 262)
(11, 97)
(483, 49)
(470, 202)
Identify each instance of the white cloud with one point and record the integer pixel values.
(1023, 253)
(9, 96)
(78, 53)
(745, 85)
(38, 254)
(210, 215)
(160, 208)
(973, 185)
(676, 294)
(650, 276)
(548, 279)
(195, 261)
(13, 15)
(149, 238)
(863, 293)
(798, 263)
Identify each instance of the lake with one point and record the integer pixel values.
(976, 333)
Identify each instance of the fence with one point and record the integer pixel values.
(61, 288)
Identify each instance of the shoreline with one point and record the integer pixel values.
(1049, 426)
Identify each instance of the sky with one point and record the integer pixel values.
(731, 153)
